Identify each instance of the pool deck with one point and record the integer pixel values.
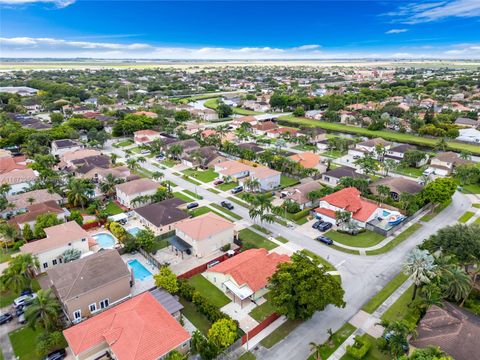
(141, 285)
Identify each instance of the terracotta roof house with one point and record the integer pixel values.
(161, 217)
(280, 131)
(238, 171)
(263, 127)
(60, 147)
(333, 177)
(299, 193)
(309, 160)
(22, 201)
(313, 134)
(397, 186)
(244, 119)
(206, 233)
(67, 158)
(49, 250)
(362, 210)
(137, 329)
(245, 276)
(8, 164)
(34, 211)
(128, 191)
(19, 180)
(91, 284)
(454, 330)
(145, 136)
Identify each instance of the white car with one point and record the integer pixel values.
(24, 299)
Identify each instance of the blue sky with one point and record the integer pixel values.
(240, 29)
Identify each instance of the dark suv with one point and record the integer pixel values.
(56, 355)
(192, 205)
(324, 226)
(325, 240)
(317, 223)
(227, 205)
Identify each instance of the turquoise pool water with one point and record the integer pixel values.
(140, 272)
(104, 240)
(134, 231)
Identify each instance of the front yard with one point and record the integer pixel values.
(7, 297)
(123, 143)
(403, 310)
(227, 186)
(251, 239)
(362, 240)
(261, 312)
(204, 176)
(209, 291)
(24, 342)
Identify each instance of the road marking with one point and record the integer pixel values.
(340, 263)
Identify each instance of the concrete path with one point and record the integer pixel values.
(5, 329)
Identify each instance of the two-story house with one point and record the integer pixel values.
(60, 147)
(128, 191)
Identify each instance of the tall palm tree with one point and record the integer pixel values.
(79, 192)
(395, 333)
(113, 158)
(457, 284)
(108, 185)
(157, 175)
(420, 265)
(132, 164)
(252, 184)
(16, 276)
(316, 349)
(44, 311)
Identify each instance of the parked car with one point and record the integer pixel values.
(23, 300)
(145, 152)
(227, 205)
(325, 240)
(160, 157)
(26, 292)
(56, 355)
(236, 190)
(192, 205)
(5, 318)
(218, 182)
(317, 223)
(20, 310)
(324, 226)
(21, 319)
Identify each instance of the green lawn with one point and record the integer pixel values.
(471, 189)
(263, 311)
(466, 216)
(397, 240)
(135, 150)
(212, 190)
(383, 294)
(205, 209)
(211, 104)
(410, 171)
(5, 255)
(159, 244)
(247, 356)
(123, 143)
(402, 310)
(334, 154)
(362, 240)
(327, 264)
(338, 338)
(227, 186)
(306, 147)
(435, 211)
(183, 197)
(199, 320)
(191, 180)
(281, 239)
(240, 111)
(477, 206)
(261, 229)
(24, 342)
(238, 201)
(251, 239)
(113, 209)
(477, 222)
(280, 333)
(348, 251)
(387, 135)
(192, 194)
(226, 211)
(1, 355)
(286, 181)
(168, 162)
(209, 291)
(7, 297)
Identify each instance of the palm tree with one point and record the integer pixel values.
(108, 185)
(420, 265)
(389, 165)
(16, 276)
(252, 184)
(465, 155)
(79, 192)
(457, 284)
(44, 311)
(132, 164)
(317, 350)
(157, 175)
(113, 158)
(395, 334)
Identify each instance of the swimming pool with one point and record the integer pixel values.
(134, 231)
(104, 240)
(140, 272)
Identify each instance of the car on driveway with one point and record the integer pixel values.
(325, 240)
(192, 205)
(236, 189)
(317, 223)
(56, 355)
(218, 182)
(23, 300)
(5, 318)
(324, 226)
(227, 205)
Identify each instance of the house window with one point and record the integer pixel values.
(104, 304)
(92, 307)
(69, 244)
(45, 265)
(54, 261)
(77, 315)
(60, 260)
(83, 240)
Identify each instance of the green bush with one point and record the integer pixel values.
(359, 349)
(353, 232)
(300, 214)
(225, 248)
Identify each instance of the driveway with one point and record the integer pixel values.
(5, 329)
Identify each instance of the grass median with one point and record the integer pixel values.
(397, 240)
(383, 294)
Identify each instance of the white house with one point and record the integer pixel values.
(60, 147)
(469, 135)
(145, 136)
(369, 147)
(19, 180)
(60, 238)
(234, 170)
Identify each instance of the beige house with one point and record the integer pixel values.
(60, 147)
(60, 238)
(245, 276)
(161, 217)
(34, 211)
(91, 284)
(130, 190)
(21, 201)
(444, 163)
(206, 233)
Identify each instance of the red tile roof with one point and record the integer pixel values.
(326, 212)
(349, 199)
(12, 163)
(137, 329)
(252, 267)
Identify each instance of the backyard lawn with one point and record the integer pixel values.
(383, 294)
(466, 216)
(199, 320)
(286, 181)
(251, 239)
(397, 240)
(261, 312)
(280, 333)
(24, 343)
(159, 244)
(338, 338)
(410, 171)
(113, 209)
(209, 291)
(364, 239)
(227, 186)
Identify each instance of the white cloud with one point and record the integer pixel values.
(415, 13)
(396, 31)
(29, 47)
(57, 3)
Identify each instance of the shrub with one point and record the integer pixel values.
(359, 349)
(226, 247)
(300, 214)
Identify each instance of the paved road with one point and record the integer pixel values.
(362, 276)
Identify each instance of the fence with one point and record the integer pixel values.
(91, 225)
(150, 258)
(203, 267)
(257, 329)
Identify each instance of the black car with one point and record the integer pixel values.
(324, 226)
(317, 223)
(325, 240)
(192, 205)
(5, 318)
(56, 355)
(227, 205)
